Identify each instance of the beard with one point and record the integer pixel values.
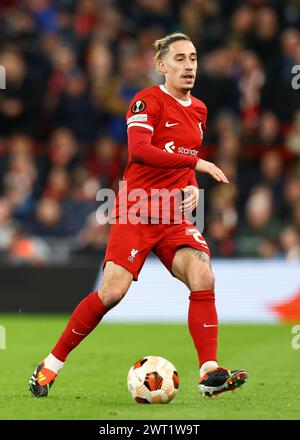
(187, 87)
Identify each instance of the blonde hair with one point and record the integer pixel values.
(162, 46)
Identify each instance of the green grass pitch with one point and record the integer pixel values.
(92, 384)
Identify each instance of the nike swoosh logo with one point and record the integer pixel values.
(77, 333)
(171, 125)
(210, 325)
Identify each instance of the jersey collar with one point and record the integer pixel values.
(184, 103)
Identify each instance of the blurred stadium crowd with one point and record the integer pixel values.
(72, 67)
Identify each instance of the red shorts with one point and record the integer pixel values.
(129, 244)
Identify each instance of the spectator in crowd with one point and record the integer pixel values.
(268, 132)
(242, 23)
(291, 193)
(191, 21)
(20, 103)
(290, 243)
(265, 37)
(145, 38)
(63, 63)
(217, 85)
(99, 65)
(122, 89)
(293, 137)
(222, 220)
(296, 217)
(48, 219)
(58, 184)
(250, 85)
(8, 226)
(93, 236)
(271, 176)
(282, 76)
(80, 202)
(105, 161)
(220, 239)
(21, 183)
(145, 12)
(43, 13)
(86, 18)
(257, 235)
(63, 149)
(75, 108)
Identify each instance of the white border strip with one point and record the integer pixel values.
(137, 124)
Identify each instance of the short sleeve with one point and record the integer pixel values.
(144, 111)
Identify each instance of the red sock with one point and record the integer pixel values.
(203, 324)
(84, 319)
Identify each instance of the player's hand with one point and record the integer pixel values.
(191, 198)
(203, 166)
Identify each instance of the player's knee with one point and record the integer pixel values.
(112, 293)
(205, 281)
(202, 278)
(210, 279)
(115, 283)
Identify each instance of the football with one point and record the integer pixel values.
(153, 379)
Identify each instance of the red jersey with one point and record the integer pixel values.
(164, 138)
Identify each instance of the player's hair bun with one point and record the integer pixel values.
(162, 46)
